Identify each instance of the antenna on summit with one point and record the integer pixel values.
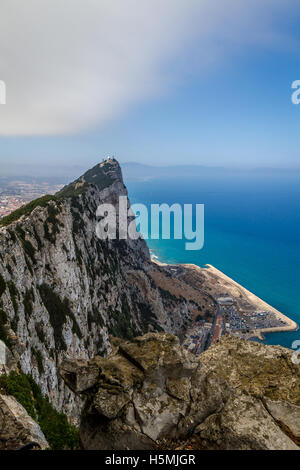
(109, 159)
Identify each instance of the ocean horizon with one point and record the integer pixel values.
(252, 233)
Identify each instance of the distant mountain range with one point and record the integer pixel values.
(133, 171)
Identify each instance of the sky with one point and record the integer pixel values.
(162, 82)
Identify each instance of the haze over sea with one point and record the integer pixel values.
(252, 232)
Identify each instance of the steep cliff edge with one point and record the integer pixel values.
(64, 293)
(63, 290)
(151, 392)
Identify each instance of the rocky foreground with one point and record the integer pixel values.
(151, 392)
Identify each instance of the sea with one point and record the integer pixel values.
(252, 232)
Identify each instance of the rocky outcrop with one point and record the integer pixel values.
(151, 389)
(243, 424)
(17, 428)
(269, 383)
(266, 372)
(7, 360)
(287, 415)
(63, 291)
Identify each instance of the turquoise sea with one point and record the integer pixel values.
(252, 232)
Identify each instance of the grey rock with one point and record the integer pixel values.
(151, 389)
(17, 427)
(79, 375)
(105, 284)
(286, 414)
(243, 424)
(7, 360)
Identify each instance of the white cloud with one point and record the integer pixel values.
(75, 64)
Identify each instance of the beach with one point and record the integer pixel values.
(260, 304)
(213, 281)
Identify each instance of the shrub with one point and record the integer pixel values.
(26, 210)
(2, 285)
(122, 326)
(55, 223)
(27, 301)
(39, 359)
(18, 385)
(40, 332)
(148, 318)
(9, 269)
(29, 249)
(13, 295)
(3, 332)
(58, 311)
(58, 432)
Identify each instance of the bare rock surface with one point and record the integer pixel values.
(262, 371)
(17, 428)
(152, 389)
(243, 424)
(7, 361)
(287, 415)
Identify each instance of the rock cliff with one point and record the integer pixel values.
(17, 428)
(65, 293)
(63, 290)
(236, 395)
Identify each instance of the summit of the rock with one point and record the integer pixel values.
(101, 175)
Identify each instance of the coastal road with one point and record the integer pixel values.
(217, 330)
(218, 326)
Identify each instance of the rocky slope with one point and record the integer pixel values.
(151, 392)
(17, 426)
(63, 290)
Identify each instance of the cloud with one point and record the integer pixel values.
(74, 65)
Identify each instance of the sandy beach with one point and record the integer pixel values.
(260, 304)
(216, 282)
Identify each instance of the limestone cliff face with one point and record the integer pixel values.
(63, 290)
(150, 391)
(18, 427)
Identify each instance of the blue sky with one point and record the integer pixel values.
(203, 85)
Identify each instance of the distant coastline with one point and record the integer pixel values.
(246, 237)
(261, 305)
(258, 303)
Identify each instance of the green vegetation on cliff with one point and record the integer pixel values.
(98, 176)
(3, 328)
(58, 312)
(2, 285)
(122, 325)
(58, 432)
(27, 209)
(13, 291)
(28, 302)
